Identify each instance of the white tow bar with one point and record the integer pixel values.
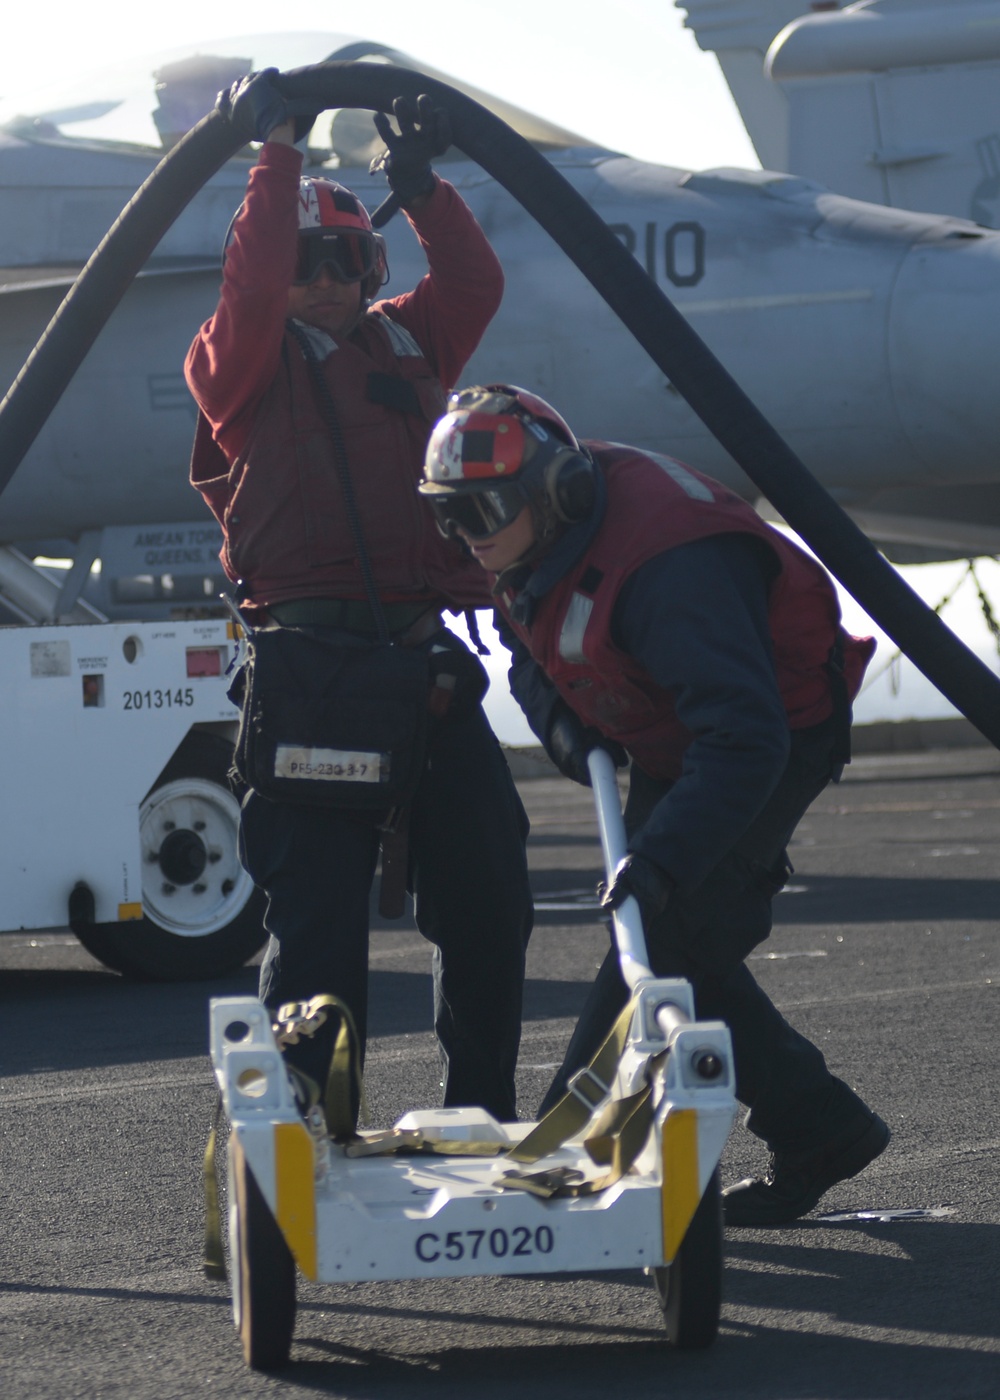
(453, 1193)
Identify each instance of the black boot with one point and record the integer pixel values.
(796, 1180)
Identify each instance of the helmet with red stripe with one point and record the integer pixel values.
(336, 232)
(498, 449)
(326, 204)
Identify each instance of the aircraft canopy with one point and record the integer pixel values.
(149, 104)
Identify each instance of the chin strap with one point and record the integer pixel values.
(472, 623)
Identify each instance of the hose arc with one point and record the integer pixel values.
(657, 325)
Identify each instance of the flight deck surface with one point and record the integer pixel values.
(885, 953)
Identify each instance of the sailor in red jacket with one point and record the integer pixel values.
(652, 611)
(297, 355)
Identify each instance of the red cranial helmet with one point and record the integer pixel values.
(498, 449)
(336, 232)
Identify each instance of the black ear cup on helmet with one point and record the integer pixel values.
(377, 279)
(569, 485)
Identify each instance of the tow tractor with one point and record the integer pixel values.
(621, 1174)
(117, 739)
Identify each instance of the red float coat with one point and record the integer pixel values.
(655, 504)
(263, 457)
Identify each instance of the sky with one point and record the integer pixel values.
(627, 74)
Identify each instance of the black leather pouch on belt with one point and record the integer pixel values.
(331, 720)
(458, 679)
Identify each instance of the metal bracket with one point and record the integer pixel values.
(586, 1076)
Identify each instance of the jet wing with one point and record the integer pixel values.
(538, 130)
(36, 278)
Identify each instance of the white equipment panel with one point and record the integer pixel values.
(91, 716)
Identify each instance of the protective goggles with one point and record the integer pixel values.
(350, 255)
(478, 514)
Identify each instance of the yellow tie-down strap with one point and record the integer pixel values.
(572, 1112)
(618, 1132)
(345, 1090)
(681, 1191)
(615, 1133)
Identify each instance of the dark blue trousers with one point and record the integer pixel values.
(794, 1101)
(468, 876)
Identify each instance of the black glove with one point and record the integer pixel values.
(255, 105)
(569, 741)
(424, 132)
(639, 876)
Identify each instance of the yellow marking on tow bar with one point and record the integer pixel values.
(680, 1192)
(295, 1193)
(129, 911)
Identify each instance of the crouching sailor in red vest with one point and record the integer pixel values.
(316, 400)
(651, 611)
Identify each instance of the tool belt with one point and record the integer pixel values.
(409, 624)
(331, 719)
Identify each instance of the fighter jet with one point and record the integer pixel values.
(865, 334)
(890, 101)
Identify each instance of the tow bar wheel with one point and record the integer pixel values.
(690, 1288)
(261, 1268)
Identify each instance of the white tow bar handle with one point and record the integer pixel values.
(626, 920)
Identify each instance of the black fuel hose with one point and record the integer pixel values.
(615, 274)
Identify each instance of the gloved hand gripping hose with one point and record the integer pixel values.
(406, 160)
(616, 275)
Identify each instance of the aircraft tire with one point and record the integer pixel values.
(203, 917)
(262, 1271)
(690, 1289)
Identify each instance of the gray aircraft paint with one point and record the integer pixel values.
(865, 334)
